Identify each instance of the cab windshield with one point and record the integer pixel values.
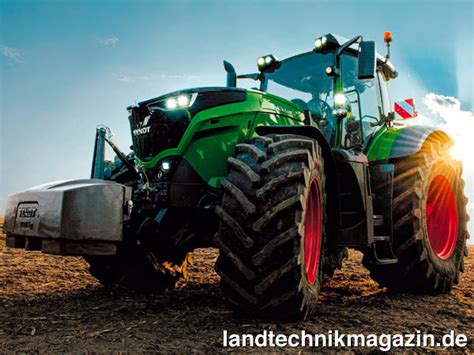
(302, 79)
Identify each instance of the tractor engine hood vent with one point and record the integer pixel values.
(159, 124)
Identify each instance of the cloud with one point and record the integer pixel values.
(10, 53)
(446, 107)
(127, 78)
(133, 78)
(179, 76)
(108, 41)
(446, 112)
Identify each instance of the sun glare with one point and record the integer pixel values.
(463, 148)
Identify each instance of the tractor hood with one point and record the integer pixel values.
(159, 123)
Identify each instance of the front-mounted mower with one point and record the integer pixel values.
(281, 179)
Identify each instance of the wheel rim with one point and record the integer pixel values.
(442, 217)
(312, 232)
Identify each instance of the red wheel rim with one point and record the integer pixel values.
(312, 232)
(442, 217)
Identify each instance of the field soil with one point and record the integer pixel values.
(52, 304)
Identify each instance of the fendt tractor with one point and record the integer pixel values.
(282, 178)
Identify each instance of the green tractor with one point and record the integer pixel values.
(281, 178)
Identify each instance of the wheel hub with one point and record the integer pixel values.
(442, 217)
(313, 232)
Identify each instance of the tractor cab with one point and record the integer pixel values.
(304, 81)
(341, 84)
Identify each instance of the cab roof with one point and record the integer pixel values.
(387, 66)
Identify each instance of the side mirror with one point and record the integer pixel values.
(367, 60)
(231, 74)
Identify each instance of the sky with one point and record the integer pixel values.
(66, 66)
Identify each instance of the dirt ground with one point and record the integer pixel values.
(51, 304)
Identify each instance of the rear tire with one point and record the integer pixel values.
(430, 226)
(275, 188)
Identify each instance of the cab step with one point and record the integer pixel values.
(383, 252)
(387, 261)
(378, 220)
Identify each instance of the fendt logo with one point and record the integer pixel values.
(143, 127)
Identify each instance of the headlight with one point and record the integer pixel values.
(171, 103)
(326, 42)
(340, 99)
(332, 71)
(267, 63)
(320, 42)
(163, 169)
(165, 166)
(181, 101)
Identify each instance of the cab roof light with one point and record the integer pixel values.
(325, 43)
(268, 63)
(332, 71)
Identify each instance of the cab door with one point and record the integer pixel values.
(367, 102)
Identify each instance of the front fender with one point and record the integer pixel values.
(400, 142)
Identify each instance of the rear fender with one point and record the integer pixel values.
(394, 143)
(332, 186)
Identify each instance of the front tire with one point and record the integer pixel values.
(272, 233)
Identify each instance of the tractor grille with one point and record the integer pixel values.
(154, 128)
(157, 130)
